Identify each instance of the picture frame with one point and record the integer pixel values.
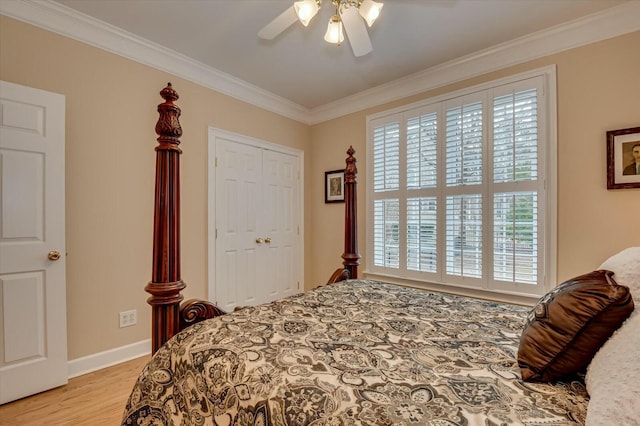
(623, 156)
(334, 186)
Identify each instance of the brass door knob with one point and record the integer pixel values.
(54, 255)
(259, 240)
(267, 240)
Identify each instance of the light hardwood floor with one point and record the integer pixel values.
(96, 398)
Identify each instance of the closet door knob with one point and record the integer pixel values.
(267, 240)
(259, 240)
(54, 255)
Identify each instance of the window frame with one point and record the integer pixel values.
(546, 187)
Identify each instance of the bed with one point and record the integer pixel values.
(352, 352)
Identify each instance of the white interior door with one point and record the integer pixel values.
(257, 242)
(238, 186)
(33, 332)
(281, 173)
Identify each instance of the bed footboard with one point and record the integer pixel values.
(193, 311)
(340, 274)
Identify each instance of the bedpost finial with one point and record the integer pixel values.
(168, 125)
(168, 94)
(350, 171)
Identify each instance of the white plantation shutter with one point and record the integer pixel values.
(422, 223)
(515, 137)
(457, 193)
(515, 160)
(422, 149)
(386, 233)
(464, 144)
(386, 154)
(464, 235)
(386, 182)
(515, 236)
(421, 185)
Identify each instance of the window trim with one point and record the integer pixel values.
(548, 132)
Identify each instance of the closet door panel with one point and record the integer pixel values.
(238, 192)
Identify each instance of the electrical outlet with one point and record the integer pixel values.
(128, 318)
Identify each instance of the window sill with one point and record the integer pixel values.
(485, 294)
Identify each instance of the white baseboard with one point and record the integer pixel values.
(90, 363)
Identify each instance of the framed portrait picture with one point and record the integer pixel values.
(334, 186)
(623, 158)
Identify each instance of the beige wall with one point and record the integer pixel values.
(111, 113)
(598, 90)
(110, 165)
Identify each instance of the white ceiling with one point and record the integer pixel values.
(298, 65)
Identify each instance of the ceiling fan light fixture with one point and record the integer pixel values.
(306, 10)
(334, 32)
(370, 10)
(350, 17)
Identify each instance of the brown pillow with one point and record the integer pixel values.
(570, 323)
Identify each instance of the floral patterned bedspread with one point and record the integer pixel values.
(354, 353)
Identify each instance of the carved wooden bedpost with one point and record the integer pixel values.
(166, 284)
(351, 256)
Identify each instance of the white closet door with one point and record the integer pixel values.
(258, 249)
(281, 177)
(238, 193)
(33, 327)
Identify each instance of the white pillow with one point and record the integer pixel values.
(626, 266)
(613, 377)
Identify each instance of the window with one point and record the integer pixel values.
(459, 190)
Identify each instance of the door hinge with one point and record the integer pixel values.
(216, 162)
(298, 230)
(216, 233)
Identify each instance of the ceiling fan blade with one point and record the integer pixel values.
(278, 25)
(356, 31)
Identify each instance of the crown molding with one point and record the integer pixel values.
(65, 21)
(70, 23)
(610, 23)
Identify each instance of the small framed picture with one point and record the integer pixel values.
(623, 158)
(334, 186)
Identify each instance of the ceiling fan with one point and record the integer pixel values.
(350, 13)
